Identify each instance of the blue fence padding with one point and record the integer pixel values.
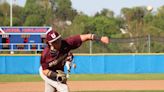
(150, 64)
(119, 64)
(3, 65)
(88, 64)
(19, 65)
(108, 64)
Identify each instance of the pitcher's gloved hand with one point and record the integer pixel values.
(61, 76)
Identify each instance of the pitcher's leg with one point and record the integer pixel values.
(59, 86)
(63, 88)
(49, 88)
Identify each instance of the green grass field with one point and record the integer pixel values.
(81, 77)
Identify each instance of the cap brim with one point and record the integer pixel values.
(54, 39)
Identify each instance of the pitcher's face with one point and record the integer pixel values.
(57, 44)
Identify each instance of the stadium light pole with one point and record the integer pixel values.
(11, 13)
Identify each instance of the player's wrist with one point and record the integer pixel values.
(95, 37)
(52, 75)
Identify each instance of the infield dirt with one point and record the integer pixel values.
(86, 85)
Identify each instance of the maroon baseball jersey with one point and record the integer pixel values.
(66, 45)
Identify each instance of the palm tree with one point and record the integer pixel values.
(127, 15)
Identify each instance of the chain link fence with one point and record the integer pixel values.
(144, 44)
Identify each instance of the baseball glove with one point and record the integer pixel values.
(61, 76)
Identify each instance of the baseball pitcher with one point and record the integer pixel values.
(55, 55)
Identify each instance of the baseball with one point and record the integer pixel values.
(149, 8)
(74, 66)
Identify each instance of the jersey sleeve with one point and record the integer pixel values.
(74, 41)
(43, 60)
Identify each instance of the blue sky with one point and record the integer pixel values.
(90, 7)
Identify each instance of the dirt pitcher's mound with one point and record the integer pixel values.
(86, 85)
(117, 85)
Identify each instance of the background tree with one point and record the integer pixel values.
(64, 10)
(105, 12)
(17, 15)
(158, 21)
(5, 14)
(136, 21)
(33, 20)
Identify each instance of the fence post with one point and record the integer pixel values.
(28, 46)
(149, 43)
(90, 47)
(12, 49)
